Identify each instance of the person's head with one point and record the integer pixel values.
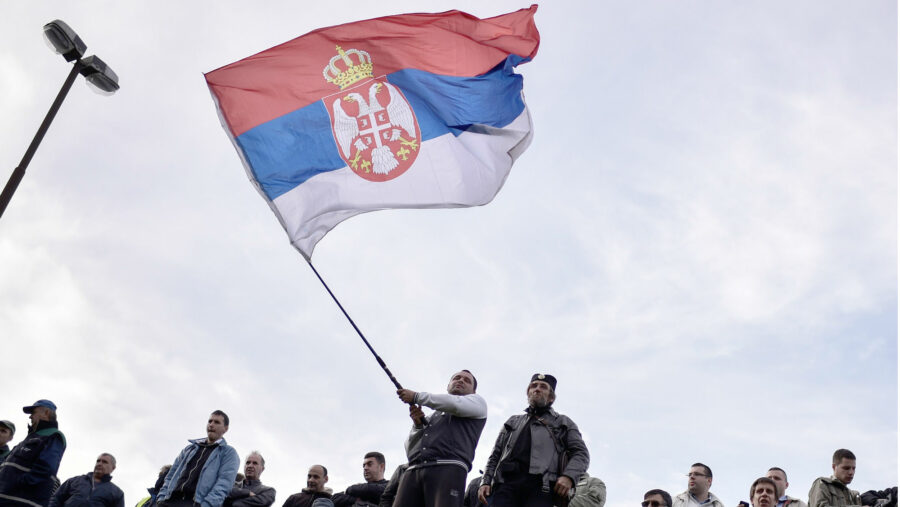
(699, 480)
(7, 430)
(316, 478)
(216, 426)
(541, 390)
(763, 492)
(254, 466)
(779, 477)
(41, 410)
(104, 466)
(462, 383)
(843, 462)
(657, 498)
(373, 467)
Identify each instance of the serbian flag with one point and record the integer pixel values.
(407, 111)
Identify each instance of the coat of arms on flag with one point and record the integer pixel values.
(374, 126)
(358, 117)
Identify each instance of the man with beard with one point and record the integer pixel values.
(699, 481)
(314, 493)
(369, 492)
(763, 492)
(203, 474)
(28, 474)
(441, 446)
(251, 492)
(528, 465)
(94, 489)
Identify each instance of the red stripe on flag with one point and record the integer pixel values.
(289, 76)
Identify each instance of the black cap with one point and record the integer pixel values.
(543, 377)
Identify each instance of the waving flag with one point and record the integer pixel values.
(407, 111)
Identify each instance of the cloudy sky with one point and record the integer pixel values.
(700, 243)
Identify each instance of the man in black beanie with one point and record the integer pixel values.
(538, 456)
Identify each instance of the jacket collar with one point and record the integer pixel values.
(549, 411)
(42, 425)
(205, 441)
(105, 478)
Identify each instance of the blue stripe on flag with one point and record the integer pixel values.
(285, 152)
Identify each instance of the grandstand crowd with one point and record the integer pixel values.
(539, 459)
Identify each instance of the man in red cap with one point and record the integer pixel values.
(28, 474)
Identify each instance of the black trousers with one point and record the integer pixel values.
(522, 490)
(176, 502)
(434, 486)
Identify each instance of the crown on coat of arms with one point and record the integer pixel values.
(352, 71)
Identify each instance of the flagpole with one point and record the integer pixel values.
(377, 357)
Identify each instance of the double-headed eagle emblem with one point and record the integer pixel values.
(373, 124)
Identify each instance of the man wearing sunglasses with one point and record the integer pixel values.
(657, 498)
(698, 495)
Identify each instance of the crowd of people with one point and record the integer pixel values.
(538, 460)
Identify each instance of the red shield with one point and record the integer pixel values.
(375, 129)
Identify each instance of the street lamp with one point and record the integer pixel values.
(67, 43)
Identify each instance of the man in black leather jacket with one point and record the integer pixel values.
(538, 455)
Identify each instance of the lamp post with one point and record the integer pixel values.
(66, 42)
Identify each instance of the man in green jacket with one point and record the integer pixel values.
(833, 491)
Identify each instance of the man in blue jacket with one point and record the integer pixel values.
(28, 474)
(203, 474)
(94, 489)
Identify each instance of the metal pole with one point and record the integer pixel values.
(19, 171)
(377, 357)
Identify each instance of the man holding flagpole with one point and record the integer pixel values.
(441, 446)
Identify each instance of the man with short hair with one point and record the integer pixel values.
(314, 493)
(833, 491)
(369, 492)
(657, 498)
(94, 489)
(779, 477)
(526, 466)
(28, 474)
(699, 481)
(441, 446)
(763, 492)
(204, 471)
(251, 492)
(7, 431)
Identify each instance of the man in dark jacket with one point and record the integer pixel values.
(440, 447)
(537, 454)
(7, 431)
(251, 492)
(28, 474)
(314, 490)
(94, 489)
(368, 493)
